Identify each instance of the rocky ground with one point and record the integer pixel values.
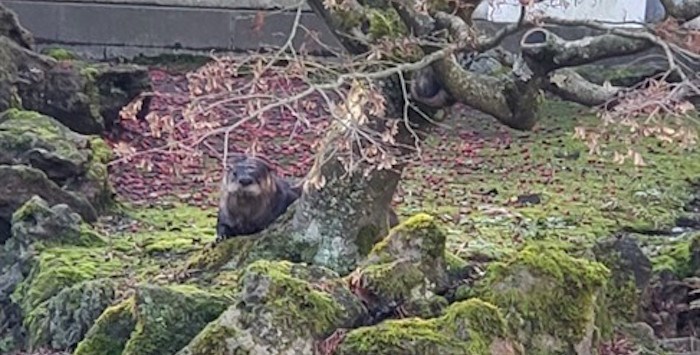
(510, 242)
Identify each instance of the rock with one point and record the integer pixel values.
(84, 97)
(18, 183)
(467, 327)
(408, 266)
(552, 298)
(17, 64)
(281, 308)
(641, 335)
(631, 271)
(62, 321)
(74, 162)
(28, 277)
(11, 28)
(155, 320)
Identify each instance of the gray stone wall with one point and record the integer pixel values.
(102, 29)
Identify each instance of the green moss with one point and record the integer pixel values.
(467, 327)
(168, 318)
(60, 54)
(454, 262)
(676, 256)
(212, 340)
(412, 335)
(419, 226)
(110, 332)
(216, 257)
(100, 150)
(292, 300)
(89, 72)
(22, 129)
(583, 196)
(393, 281)
(385, 23)
(61, 267)
(484, 321)
(552, 292)
(62, 320)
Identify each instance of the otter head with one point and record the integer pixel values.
(249, 177)
(427, 88)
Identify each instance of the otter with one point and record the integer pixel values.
(426, 88)
(252, 198)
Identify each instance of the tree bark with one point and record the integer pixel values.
(548, 51)
(571, 86)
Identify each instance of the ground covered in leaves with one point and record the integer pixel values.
(493, 187)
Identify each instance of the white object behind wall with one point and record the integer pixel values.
(601, 10)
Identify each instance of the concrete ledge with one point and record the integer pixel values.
(216, 4)
(106, 29)
(100, 30)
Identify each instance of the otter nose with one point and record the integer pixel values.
(245, 181)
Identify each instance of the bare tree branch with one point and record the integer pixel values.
(551, 52)
(569, 85)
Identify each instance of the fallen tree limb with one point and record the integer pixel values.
(550, 52)
(570, 85)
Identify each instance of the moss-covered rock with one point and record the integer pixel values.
(631, 271)
(62, 321)
(30, 275)
(38, 223)
(281, 308)
(70, 160)
(84, 97)
(156, 320)
(408, 266)
(111, 331)
(468, 327)
(551, 298)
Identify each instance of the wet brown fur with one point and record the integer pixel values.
(248, 208)
(427, 89)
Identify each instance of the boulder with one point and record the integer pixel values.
(407, 268)
(84, 97)
(631, 271)
(154, 321)
(552, 298)
(281, 308)
(58, 164)
(62, 321)
(467, 327)
(28, 277)
(288, 308)
(11, 28)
